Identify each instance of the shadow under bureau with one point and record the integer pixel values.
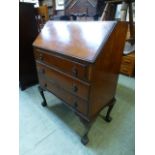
(79, 62)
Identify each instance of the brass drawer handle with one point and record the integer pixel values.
(75, 88)
(75, 71)
(41, 57)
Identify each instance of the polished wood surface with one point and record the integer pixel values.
(106, 69)
(79, 70)
(73, 85)
(79, 63)
(82, 40)
(76, 103)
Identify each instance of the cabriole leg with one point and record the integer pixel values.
(87, 125)
(107, 118)
(44, 103)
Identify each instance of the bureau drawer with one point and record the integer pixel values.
(73, 68)
(70, 84)
(75, 102)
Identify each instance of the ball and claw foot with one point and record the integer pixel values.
(44, 104)
(84, 140)
(108, 119)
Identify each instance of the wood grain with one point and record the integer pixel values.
(82, 40)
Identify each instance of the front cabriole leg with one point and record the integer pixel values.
(87, 125)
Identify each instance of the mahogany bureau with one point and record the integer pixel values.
(79, 62)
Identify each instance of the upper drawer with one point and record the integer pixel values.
(70, 67)
(73, 85)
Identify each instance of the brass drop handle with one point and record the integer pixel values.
(75, 88)
(75, 71)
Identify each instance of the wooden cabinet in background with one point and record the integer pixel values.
(79, 63)
(27, 33)
(81, 8)
(128, 64)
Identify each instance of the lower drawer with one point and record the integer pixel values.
(75, 102)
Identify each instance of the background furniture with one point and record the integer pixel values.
(41, 16)
(27, 34)
(110, 12)
(80, 69)
(128, 64)
(128, 59)
(81, 7)
(78, 10)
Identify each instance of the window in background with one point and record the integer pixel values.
(31, 1)
(118, 12)
(60, 5)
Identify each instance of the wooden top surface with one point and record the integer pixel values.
(82, 40)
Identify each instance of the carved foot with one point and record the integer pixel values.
(108, 118)
(84, 140)
(44, 104)
(87, 125)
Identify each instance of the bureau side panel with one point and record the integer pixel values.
(106, 69)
